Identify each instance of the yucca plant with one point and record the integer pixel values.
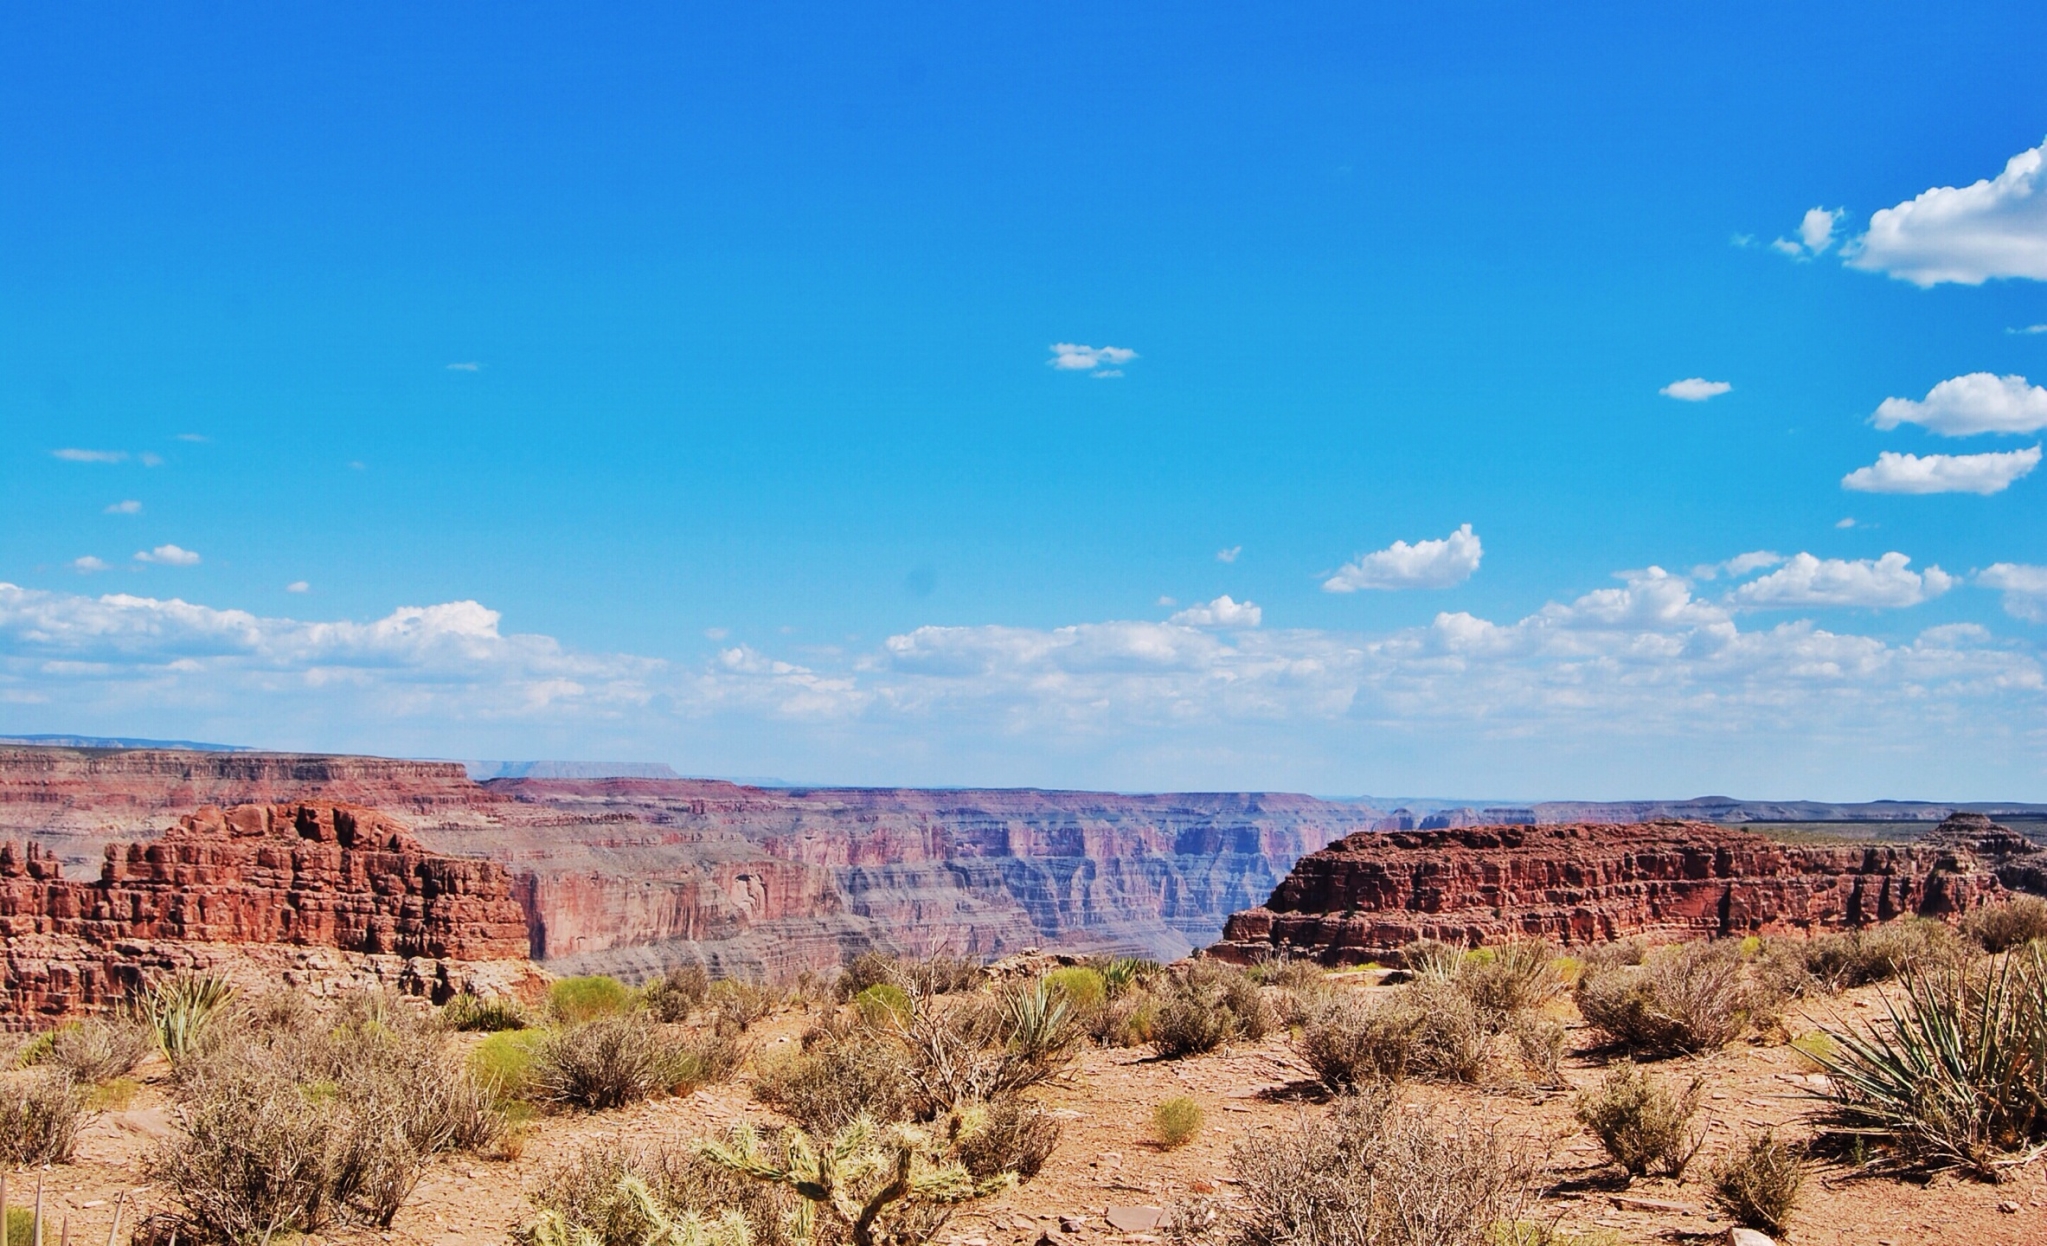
(1041, 1025)
(179, 1009)
(1955, 1076)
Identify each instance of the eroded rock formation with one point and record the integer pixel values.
(304, 875)
(1365, 896)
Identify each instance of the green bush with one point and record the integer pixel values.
(470, 1014)
(572, 1001)
(180, 1010)
(504, 1062)
(1175, 1122)
(1083, 989)
(884, 1006)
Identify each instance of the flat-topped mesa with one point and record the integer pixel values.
(295, 875)
(1365, 896)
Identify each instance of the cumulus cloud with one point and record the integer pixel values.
(2024, 587)
(2031, 328)
(1098, 360)
(1424, 564)
(71, 454)
(168, 556)
(1815, 233)
(1880, 583)
(87, 565)
(129, 507)
(1694, 389)
(1942, 473)
(1230, 554)
(1222, 612)
(465, 367)
(1739, 565)
(1979, 402)
(1996, 227)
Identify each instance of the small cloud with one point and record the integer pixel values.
(1878, 583)
(1230, 554)
(1424, 564)
(1168, 601)
(1979, 402)
(1849, 522)
(1222, 612)
(2031, 328)
(1103, 374)
(355, 464)
(1101, 361)
(716, 633)
(1942, 473)
(73, 455)
(168, 556)
(1694, 389)
(1965, 234)
(2024, 587)
(1815, 234)
(87, 565)
(1739, 565)
(151, 460)
(298, 586)
(129, 507)
(1742, 240)
(193, 437)
(465, 367)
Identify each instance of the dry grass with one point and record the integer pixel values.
(1757, 1184)
(95, 1050)
(606, 1063)
(1644, 1125)
(2004, 926)
(40, 1112)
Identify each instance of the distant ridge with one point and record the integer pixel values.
(482, 770)
(119, 742)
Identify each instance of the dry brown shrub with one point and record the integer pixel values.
(1757, 1184)
(1685, 998)
(677, 993)
(1204, 1004)
(1644, 1125)
(838, 1077)
(1510, 979)
(2008, 924)
(1541, 1044)
(1613, 954)
(1426, 1028)
(1880, 953)
(734, 1002)
(97, 1049)
(40, 1112)
(606, 1063)
(587, 1192)
(1009, 1135)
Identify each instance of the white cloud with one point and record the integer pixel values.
(129, 507)
(1815, 233)
(150, 459)
(2024, 586)
(1942, 473)
(1993, 228)
(1976, 403)
(1230, 554)
(1424, 564)
(1222, 612)
(169, 556)
(1739, 565)
(1694, 389)
(1848, 522)
(192, 437)
(465, 367)
(87, 565)
(2031, 328)
(1104, 361)
(298, 586)
(71, 454)
(1882, 583)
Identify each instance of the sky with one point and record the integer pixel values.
(1624, 401)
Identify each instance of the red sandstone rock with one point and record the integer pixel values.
(305, 875)
(1365, 896)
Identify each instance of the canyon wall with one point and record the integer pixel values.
(1364, 897)
(335, 877)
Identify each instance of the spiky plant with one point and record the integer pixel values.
(1041, 1028)
(179, 1009)
(554, 1228)
(863, 1176)
(1954, 1076)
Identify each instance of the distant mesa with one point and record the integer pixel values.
(485, 770)
(118, 742)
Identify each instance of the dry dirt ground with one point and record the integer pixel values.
(1105, 1161)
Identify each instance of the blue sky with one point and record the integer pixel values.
(506, 381)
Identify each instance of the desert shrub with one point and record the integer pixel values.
(1287, 972)
(738, 1004)
(1010, 1135)
(1685, 998)
(1881, 953)
(1122, 974)
(1082, 988)
(607, 1195)
(1952, 1077)
(705, 1057)
(1040, 1033)
(1511, 978)
(884, 1006)
(979, 1049)
(1541, 1044)
(40, 1113)
(94, 1050)
(303, 1115)
(1644, 1125)
(1757, 1184)
(1125, 1021)
(939, 974)
(180, 1010)
(1205, 1004)
(677, 993)
(2011, 923)
(1426, 1028)
(471, 1014)
(1369, 1174)
(1613, 954)
(503, 1063)
(1431, 958)
(865, 970)
(572, 1001)
(1175, 1122)
(837, 1078)
(606, 1063)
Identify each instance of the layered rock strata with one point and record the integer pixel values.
(1367, 895)
(335, 878)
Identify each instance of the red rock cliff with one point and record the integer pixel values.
(1365, 896)
(305, 875)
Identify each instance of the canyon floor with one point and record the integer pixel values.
(1105, 1159)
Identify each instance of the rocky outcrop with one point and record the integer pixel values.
(301, 875)
(1364, 897)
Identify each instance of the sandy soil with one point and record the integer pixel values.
(1105, 1161)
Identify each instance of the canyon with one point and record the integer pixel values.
(1364, 897)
